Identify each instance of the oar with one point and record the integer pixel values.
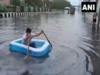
(27, 56)
(47, 39)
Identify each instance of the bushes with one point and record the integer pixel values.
(15, 2)
(60, 4)
(3, 8)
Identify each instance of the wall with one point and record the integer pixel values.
(98, 6)
(7, 2)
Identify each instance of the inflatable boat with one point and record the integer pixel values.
(42, 47)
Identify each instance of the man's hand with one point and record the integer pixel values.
(41, 31)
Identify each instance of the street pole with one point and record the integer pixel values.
(98, 22)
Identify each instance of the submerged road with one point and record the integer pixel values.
(72, 40)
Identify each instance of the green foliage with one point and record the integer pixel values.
(15, 2)
(34, 2)
(23, 4)
(3, 8)
(60, 4)
(57, 4)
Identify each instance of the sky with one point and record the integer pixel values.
(74, 2)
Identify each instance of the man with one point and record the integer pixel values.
(94, 21)
(94, 18)
(29, 35)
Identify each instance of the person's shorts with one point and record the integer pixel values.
(94, 20)
(33, 45)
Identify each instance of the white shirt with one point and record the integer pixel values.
(25, 36)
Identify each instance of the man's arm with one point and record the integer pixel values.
(36, 34)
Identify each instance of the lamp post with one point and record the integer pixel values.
(98, 21)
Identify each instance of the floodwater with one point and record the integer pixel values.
(69, 34)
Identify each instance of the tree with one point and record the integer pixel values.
(34, 2)
(60, 4)
(15, 2)
(23, 4)
(3, 8)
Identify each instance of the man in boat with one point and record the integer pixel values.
(29, 35)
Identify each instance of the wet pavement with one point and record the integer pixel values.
(75, 48)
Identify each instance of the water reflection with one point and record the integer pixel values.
(95, 38)
(20, 56)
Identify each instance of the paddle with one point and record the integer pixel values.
(47, 39)
(27, 56)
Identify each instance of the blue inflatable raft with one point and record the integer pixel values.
(42, 47)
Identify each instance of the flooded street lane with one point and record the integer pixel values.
(68, 34)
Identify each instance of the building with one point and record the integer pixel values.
(98, 5)
(7, 2)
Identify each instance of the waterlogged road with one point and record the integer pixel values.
(68, 35)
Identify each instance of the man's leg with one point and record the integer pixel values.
(94, 22)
